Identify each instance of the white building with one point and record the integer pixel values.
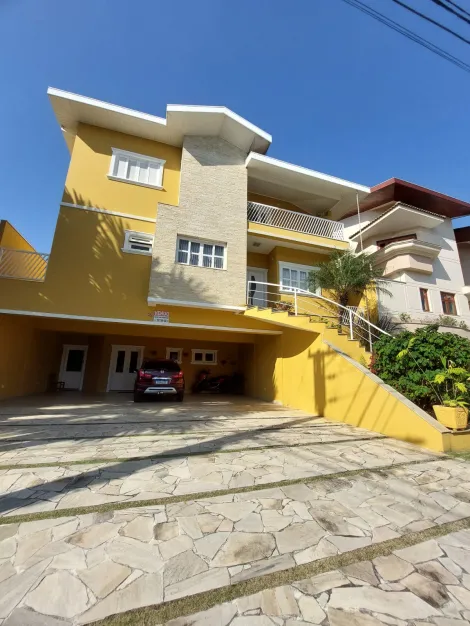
(410, 230)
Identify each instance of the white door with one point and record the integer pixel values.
(72, 366)
(125, 360)
(256, 291)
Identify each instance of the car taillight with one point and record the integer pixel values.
(145, 375)
(177, 376)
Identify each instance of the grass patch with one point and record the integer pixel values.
(464, 456)
(175, 455)
(201, 495)
(159, 614)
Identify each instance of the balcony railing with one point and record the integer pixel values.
(22, 264)
(292, 220)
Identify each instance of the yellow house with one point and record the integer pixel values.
(178, 237)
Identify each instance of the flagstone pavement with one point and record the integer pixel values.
(79, 568)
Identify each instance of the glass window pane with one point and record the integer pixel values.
(182, 256)
(207, 261)
(143, 172)
(285, 277)
(153, 178)
(218, 262)
(120, 167)
(184, 244)
(133, 361)
(303, 280)
(219, 251)
(195, 247)
(209, 357)
(194, 259)
(198, 356)
(133, 170)
(174, 355)
(74, 361)
(121, 355)
(208, 248)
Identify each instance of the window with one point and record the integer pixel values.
(200, 253)
(448, 303)
(136, 168)
(174, 354)
(294, 276)
(424, 299)
(384, 242)
(204, 357)
(137, 243)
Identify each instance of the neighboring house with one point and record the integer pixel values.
(409, 228)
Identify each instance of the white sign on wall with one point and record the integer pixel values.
(161, 317)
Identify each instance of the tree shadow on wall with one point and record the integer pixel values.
(118, 280)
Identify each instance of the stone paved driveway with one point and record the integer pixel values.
(224, 491)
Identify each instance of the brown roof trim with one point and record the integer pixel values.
(462, 234)
(397, 190)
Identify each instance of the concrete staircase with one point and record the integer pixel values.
(311, 323)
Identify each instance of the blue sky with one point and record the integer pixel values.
(338, 91)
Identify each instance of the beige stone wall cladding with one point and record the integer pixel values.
(212, 207)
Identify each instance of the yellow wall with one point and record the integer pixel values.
(298, 369)
(27, 357)
(87, 180)
(11, 238)
(255, 259)
(325, 244)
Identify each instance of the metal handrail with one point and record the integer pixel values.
(295, 221)
(356, 322)
(23, 264)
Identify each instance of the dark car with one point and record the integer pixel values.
(159, 377)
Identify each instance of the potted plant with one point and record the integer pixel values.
(453, 411)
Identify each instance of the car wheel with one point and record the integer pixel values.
(138, 397)
(179, 397)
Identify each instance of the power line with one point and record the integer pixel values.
(451, 10)
(429, 19)
(380, 17)
(459, 8)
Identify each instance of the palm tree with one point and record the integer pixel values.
(346, 274)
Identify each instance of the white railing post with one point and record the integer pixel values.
(370, 335)
(295, 301)
(351, 333)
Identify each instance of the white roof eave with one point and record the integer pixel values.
(72, 109)
(260, 165)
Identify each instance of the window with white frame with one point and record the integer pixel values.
(294, 276)
(136, 168)
(201, 253)
(137, 243)
(203, 357)
(175, 354)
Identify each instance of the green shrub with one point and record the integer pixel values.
(413, 376)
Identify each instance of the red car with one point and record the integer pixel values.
(159, 377)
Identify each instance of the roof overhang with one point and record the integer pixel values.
(398, 219)
(308, 189)
(72, 109)
(397, 190)
(462, 235)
